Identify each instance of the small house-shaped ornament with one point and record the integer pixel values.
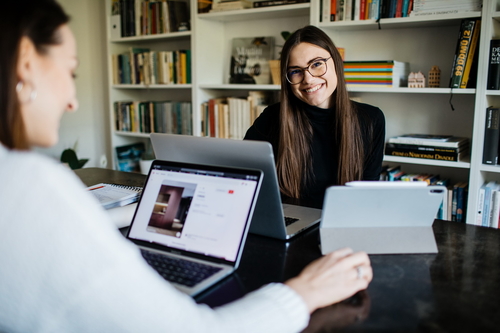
(434, 77)
(416, 80)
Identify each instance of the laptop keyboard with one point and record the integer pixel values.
(290, 220)
(180, 271)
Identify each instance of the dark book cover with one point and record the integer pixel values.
(491, 136)
(429, 155)
(179, 15)
(493, 82)
(461, 52)
(422, 148)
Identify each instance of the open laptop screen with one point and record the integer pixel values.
(195, 209)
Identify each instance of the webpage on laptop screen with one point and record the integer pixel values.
(196, 211)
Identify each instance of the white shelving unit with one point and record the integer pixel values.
(422, 41)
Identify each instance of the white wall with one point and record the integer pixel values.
(89, 125)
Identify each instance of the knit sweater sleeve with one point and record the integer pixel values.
(70, 270)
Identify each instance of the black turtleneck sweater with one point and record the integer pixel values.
(324, 147)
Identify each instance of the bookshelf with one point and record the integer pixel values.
(421, 41)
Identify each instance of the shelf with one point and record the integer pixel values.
(148, 38)
(490, 168)
(133, 134)
(241, 86)
(402, 22)
(413, 90)
(421, 161)
(493, 92)
(152, 86)
(300, 9)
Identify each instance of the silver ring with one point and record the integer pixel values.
(359, 272)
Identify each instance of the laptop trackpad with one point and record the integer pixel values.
(301, 213)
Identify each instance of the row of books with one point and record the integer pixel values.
(488, 205)
(464, 68)
(454, 204)
(226, 5)
(491, 136)
(142, 66)
(150, 116)
(384, 73)
(427, 146)
(149, 17)
(230, 117)
(355, 10)
(439, 7)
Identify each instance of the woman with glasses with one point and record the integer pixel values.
(319, 136)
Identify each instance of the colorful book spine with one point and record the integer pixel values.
(461, 52)
(429, 155)
(471, 55)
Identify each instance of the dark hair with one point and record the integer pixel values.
(38, 20)
(294, 156)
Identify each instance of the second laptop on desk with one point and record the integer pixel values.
(271, 218)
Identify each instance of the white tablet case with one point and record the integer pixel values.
(380, 219)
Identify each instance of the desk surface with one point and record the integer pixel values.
(455, 290)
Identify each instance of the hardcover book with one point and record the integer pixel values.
(430, 140)
(491, 136)
(493, 82)
(250, 60)
(462, 51)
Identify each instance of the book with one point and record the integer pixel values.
(480, 205)
(434, 140)
(494, 209)
(491, 136)
(493, 82)
(115, 195)
(431, 155)
(128, 156)
(437, 149)
(471, 56)
(488, 192)
(462, 51)
(250, 60)
(270, 3)
(461, 201)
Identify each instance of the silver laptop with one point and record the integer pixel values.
(192, 221)
(380, 219)
(271, 217)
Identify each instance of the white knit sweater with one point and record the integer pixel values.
(64, 267)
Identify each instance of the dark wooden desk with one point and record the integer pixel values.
(455, 290)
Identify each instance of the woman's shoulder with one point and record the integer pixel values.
(265, 126)
(369, 113)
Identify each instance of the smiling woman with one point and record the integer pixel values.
(319, 136)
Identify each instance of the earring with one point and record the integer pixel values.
(32, 95)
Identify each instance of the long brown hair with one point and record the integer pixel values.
(38, 20)
(294, 155)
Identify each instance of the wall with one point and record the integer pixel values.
(89, 125)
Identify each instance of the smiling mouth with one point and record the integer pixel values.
(313, 89)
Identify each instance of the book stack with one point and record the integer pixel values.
(144, 17)
(440, 7)
(427, 146)
(488, 205)
(142, 66)
(153, 117)
(225, 5)
(464, 68)
(231, 117)
(383, 73)
(454, 204)
(270, 3)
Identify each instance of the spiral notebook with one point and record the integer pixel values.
(115, 195)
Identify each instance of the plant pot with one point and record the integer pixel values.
(274, 66)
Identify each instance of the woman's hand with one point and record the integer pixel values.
(332, 278)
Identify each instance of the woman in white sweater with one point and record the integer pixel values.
(64, 267)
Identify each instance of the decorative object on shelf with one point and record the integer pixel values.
(250, 60)
(70, 158)
(274, 64)
(434, 77)
(416, 80)
(204, 6)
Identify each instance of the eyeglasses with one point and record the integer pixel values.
(316, 68)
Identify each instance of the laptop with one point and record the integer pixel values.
(380, 218)
(192, 221)
(271, 217)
